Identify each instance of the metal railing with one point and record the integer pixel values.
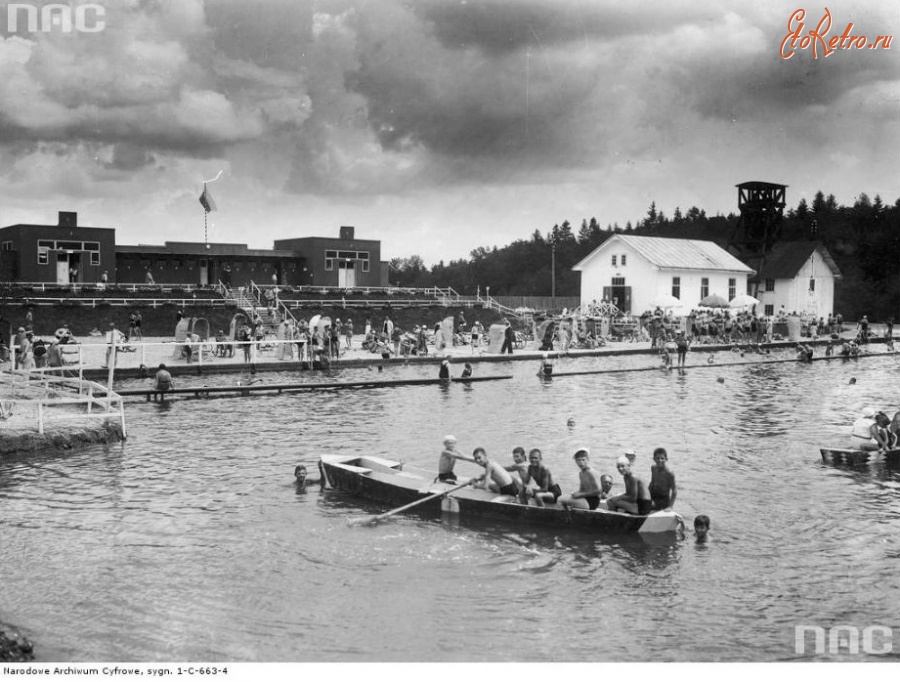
(91, 395)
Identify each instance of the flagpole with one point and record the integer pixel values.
(205, 214)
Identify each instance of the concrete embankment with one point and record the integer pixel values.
(13, 646)
(25, 438)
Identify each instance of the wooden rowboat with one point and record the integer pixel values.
(391, 483)
(853, 456)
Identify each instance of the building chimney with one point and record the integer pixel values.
(346, 232)
(68, 219)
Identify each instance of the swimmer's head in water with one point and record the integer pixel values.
(300, 473)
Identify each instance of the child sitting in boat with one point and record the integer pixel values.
(496, 478)
(537, 482)
(635, 499)
(662, 481)
(588, 494)
(520, 463)
(448, 458)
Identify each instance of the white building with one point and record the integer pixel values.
(796, 276)
(633, 272)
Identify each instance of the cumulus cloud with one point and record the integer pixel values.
(359, 102)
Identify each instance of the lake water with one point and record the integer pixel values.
(189, 542)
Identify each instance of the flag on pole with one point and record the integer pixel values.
(206, 200)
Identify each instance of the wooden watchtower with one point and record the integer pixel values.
(759, 227)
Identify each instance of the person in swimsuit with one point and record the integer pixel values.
(588, 494)
(701, 527)
(448, 458)
(546, 368)
(520, 463)
(681, 345)
(496, 478)
(662, 481)
(163, 381)
(546, 490)
(635, 499)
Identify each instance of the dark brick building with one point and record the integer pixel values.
(57, 253)
(47, 254)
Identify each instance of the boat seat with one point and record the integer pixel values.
(356, 469)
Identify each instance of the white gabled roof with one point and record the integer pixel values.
(674, 254)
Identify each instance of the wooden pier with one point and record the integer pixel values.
(240, 390)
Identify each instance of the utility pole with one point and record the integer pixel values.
(553, 272)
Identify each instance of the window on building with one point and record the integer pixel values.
(770, 309)
(43, 255)
(69, 246)
(347, 254)
(365, 266)
(91, 246)
(46, 243)
(623, 259)
(7, 246)
(331, 254)
(614, 260)
(676, 287)
(812, 283)
(329, 263)
(704, 287)
(732, 288)
(770, 285)
(362, 255)
(618, 281)
(95, 258)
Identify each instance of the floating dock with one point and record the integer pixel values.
(254, 388)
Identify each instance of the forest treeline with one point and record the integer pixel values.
(864, 240)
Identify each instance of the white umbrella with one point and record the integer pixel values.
(743, 301)
(666, 301)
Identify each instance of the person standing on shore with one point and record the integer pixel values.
(111, 339)
(348, 332)
(509, 337)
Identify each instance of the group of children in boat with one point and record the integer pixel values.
(876, 431)
(530, 481)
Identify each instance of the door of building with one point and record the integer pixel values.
(204, 272)
(346, 274)
(62, 268)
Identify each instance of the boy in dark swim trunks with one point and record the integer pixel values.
(662, 481)
(588, 494)
(547, 490)
(635, 499)
(496, 478)
(448, 458)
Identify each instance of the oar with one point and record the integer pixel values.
(375, 519)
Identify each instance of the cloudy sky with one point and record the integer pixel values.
(437, 126)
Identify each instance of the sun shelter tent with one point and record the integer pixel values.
(200, 327)
(495, 336)
(236, 322)
(444, 335)
(182, 330)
